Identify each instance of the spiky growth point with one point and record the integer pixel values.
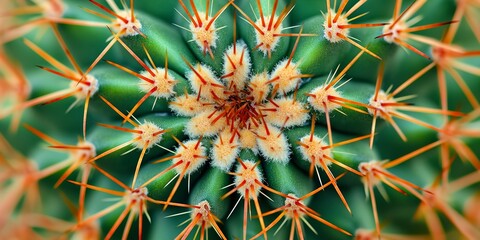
(202, 217)
(333, 30)
(149, 134)
(123, 21)
(190, 156)
(337, 24)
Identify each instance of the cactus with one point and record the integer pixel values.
(239, 119)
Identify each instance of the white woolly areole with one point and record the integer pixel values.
(313, 150)
(236, 65)
(187, 105)
(205, 77)
(195, 158)
(128, 28)
(201, 124)
(203, 211)
(268, 41)
(332, 31)
(318, 98)
(225, 149)
(287, 77)
(368, 168)
(206, 39)
(287, 113)
(88, 87)
(381, 110)
(150, 135)
(273, 145)
(396, 31)
(164, 85)
(136, 198)
(248, 174)
(85, 152)
(248, 139)
(259, 87)
(293, 207)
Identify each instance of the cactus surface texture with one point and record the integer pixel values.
(240, 119)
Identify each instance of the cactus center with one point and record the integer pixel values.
(240, 103)
(239, 107)
(333, 30)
